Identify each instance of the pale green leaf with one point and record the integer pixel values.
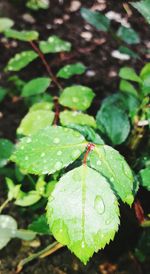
(49, 150)
(5, 23)
(128, 35)
(143, 7)
(22, 35)
(73, 117)
(54, 44)
(13, 190)
(6, 149)
(28, 199)
(41, 106)
(77, 97)
(113, 166)
(25, 235)
(96, 19)
(34, 121)
(21, 60)
(8, 227)
(83, 212)
(69, 70)
(36, 86)
(128, 73)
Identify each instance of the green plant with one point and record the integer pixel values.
(63, 156)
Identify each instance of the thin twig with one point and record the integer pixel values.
(47, 66)
(41, 254)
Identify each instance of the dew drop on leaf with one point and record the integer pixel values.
(56, 140)
(99, 204)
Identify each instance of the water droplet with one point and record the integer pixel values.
(83, 244)
(112, 179)
(59, 152)
(58, 165)
(75, 99)
(26, 158)
(56, 140)
(108, 221)
(98, 162)
(43, 154)
(76, 153)
(99, 204)
(28, 140)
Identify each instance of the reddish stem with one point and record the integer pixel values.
(56, 118)
(47, 66)
(139, 212)
(90, 147)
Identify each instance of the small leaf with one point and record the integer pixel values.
(38, 4)
(128, 35)
(145, 177)
(36, 86)
(34, 121)
(77, 97)
(143, 7)
(22, 35)
(96, 19)
(5, 23)
(25, 235)
(8, 227)
(6, 149)
(54, 45)
(73, 117)
(21, 60)
(40, 225)
(13, 190)
(28, 199)
(41, 185)
(113, 166)
(113, 121)
(145, 76)
(69, 70)
(83, 212)
(41, 106)
(127, 87)
(128, 73)
(49, 150)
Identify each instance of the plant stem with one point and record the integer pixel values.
(41, 254)
(56, 111)
(47, 66)
(4, 205)
(90, 147)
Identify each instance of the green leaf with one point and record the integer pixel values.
(77, 97)
(21, 60)
(54, 45)
(38, 4)
(96, 19)
(41, 106)
(89, 133)
(143, 7)
(128, 35)
(73, 117)
(113, 121)
(5, 23)
(145, 177)
(83, 212)
(40, 225)
(127, 87)
(145, 76)
(28, 199)
(41, 185)
(22, 35)
(13, 190)
(128, 73)
(34, 121)
(69, 70)
(6, 149)
(49, 150)
(8, 227)
(129, 52)
(3, 93)
(113, 166)
(25, 235)
(36, 86)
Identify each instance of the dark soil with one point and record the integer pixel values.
(96, 55)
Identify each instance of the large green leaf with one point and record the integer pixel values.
(49, 150)
(5, 23)
(113, 166)
(83, 212)
(73, 117)
(34, 121)
(21, 60)
(128, 35)
(96, 19)
(6, 149)
(36, 86)
(113, 121)
(145, 177)
(54, 45)
(77, 97)
(143, 7)
(69, 70)
(22, 35)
